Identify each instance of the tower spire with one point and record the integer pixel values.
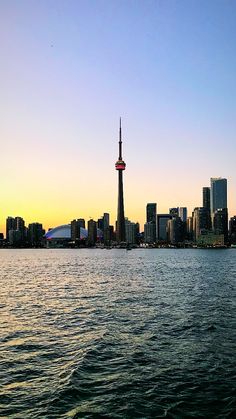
(120, 142)
(120, 166)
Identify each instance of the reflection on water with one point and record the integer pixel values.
(97, 333)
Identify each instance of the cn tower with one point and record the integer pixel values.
(120, 166)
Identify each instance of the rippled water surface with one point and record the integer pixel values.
(117, 334)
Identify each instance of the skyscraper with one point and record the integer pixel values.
(130, 231)
(92, 232)
(35, 234)
(232, 229)
(10, 225)
(200, 222)
(175, 230)
(161, 229)
(20, 226)
(220, 223)
(183, 214)
(106, 228)
(151, 213)
(218, 194)
(149, 232)
(120, 166)
(75, 229)
(206, 203)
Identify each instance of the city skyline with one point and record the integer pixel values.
(202, 228)
(213, 197)
(145, 210)
(70, 69)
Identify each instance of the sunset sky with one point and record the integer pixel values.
(69, 69)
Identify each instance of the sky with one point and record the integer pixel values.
(69, 69)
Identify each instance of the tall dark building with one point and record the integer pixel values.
(175, 230)
(120, 166)
(200, 222)
(106, 228)
(10, 225)
(103, 225)
(206, 203)
(75, 229)
(16, 224)
(20, 226)
(35, 233)
(161, 231)
(151, 213)
(81, 222)
(206, 197)
(150, 226)
(220, 223)
(182, 211)
(218, 194)
(232, 229)
(92, 232)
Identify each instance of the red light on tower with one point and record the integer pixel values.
(120, 165)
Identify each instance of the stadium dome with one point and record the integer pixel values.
(60, 232)
(63, 232)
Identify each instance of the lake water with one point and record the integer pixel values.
(118, 334)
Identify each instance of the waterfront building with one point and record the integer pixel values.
(103, 225)
(1, 239)
(35, 234)
(112, 234)
(218, 195)
(149, 233)
(130, 231)
(20, 226)
(120, 167)
(76, 226)
(138, 235)
(75, 230)
(206, 203)
(106, 228)
(161, 227)
(175, 231)
(190, 228)
(10, 225)
(200, 221)
(232, 229)
(220, 223)
(151, 214)
(92, 232)
(15, 238)
(182, 212)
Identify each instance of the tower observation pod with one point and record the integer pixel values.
(120, 166)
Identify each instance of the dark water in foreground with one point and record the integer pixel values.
(117, 334)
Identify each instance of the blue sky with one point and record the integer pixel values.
(70, 69)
